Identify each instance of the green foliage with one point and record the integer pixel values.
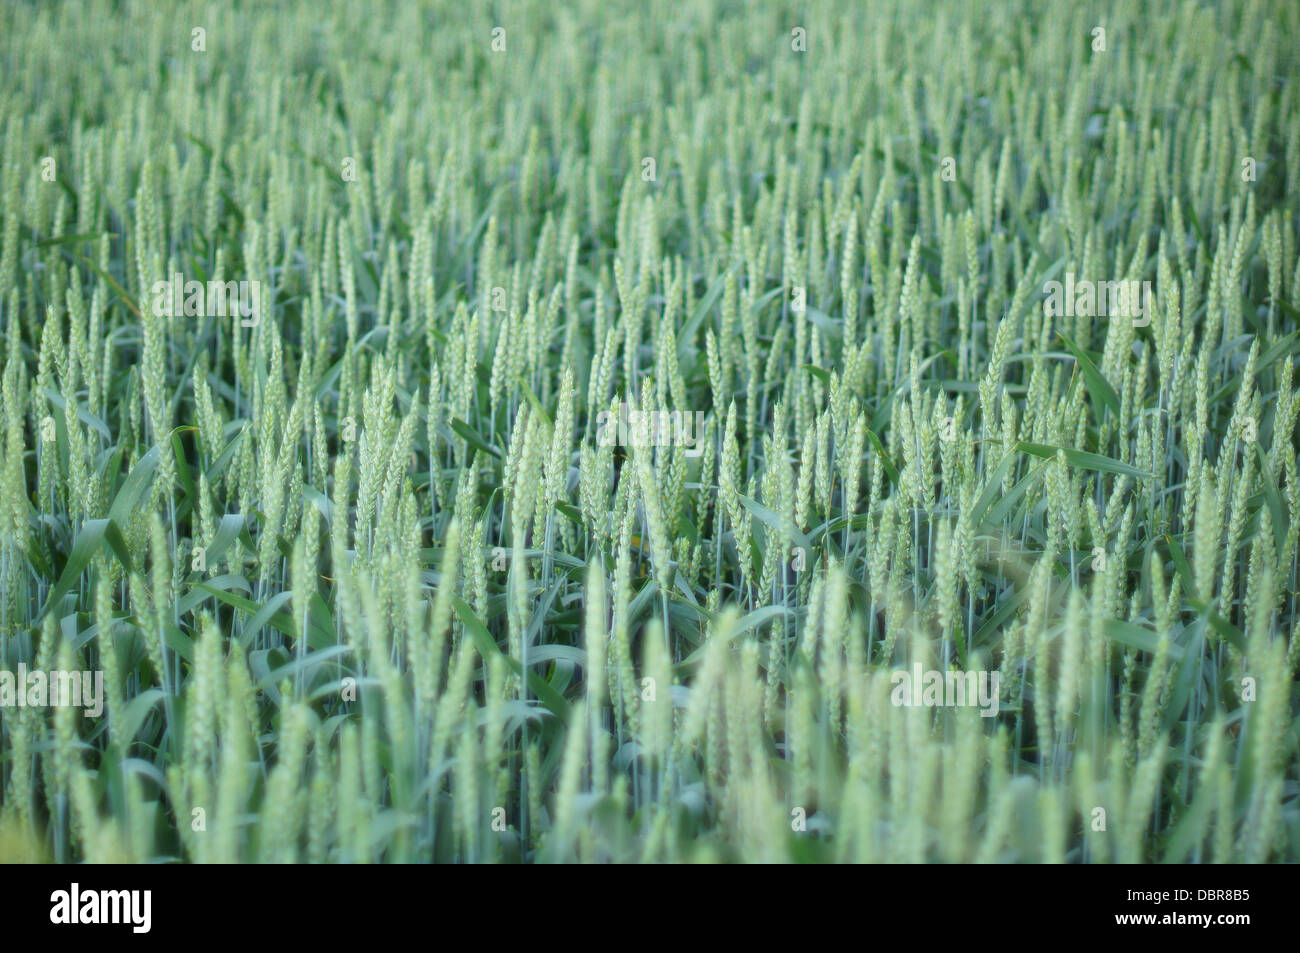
(386, 569)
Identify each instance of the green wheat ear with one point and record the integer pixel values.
(17, 844)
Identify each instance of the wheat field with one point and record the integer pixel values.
(588, 432)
